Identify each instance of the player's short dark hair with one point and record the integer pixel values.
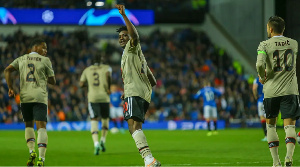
(123, 28)
(96, 58)
(36, 41)
(277, 23)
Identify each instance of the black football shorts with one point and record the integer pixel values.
(135, 107)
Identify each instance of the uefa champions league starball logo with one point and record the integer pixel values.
(6, 16)
(47, 16)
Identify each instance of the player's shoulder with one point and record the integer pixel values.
(86, 69)
(293, 41)
(263, 44)
(22, 57)
(106, 67)
(44, 58)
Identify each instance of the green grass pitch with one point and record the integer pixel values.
(231, 147)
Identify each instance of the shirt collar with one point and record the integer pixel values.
(278, 36)
(33, 53)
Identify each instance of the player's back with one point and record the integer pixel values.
(97, 83)
(115, 98)
(208, 95)
(280, 66)
(34, 71)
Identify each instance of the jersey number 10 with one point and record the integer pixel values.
(278, 67)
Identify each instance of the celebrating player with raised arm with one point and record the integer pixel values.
(276, 67)
(98, 79)
(138, 82)
(35, 72)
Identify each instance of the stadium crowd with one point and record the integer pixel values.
(180, 62)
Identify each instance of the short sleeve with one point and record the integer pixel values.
(261, 49)
(255, 81)
(83, 76)
(15, 64)
(261, 59)
(49, 69)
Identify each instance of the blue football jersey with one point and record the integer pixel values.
(208, 94)
(115, 99)
(260, 94)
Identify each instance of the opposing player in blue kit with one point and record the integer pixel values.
(209, 94)
(259, 96)
(116, 109)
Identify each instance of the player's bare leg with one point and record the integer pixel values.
(273, 140)
(42, 141)
(105, 127)
(135, 129)
(215, 132)
(30, 139)
(209, 133)
(290, 140)
(95, 136)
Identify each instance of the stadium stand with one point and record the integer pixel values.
(180, 61)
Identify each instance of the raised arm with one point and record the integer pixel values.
(7, 73)
(130, 27)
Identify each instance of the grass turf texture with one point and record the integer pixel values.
(231, 147)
